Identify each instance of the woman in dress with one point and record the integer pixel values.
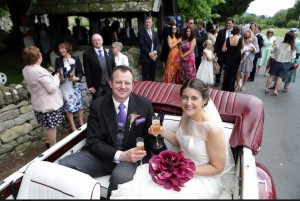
(291, 76)
(248, 54)
(46, 98)
(70, 70)
(201, 138)
(188, 69)
(269, 42)
(205, 70)
(120, 58)
(232, 47)
(283, 54)
(173, 61)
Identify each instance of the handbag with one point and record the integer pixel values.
(216, 67)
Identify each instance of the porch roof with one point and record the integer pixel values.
(74, 7)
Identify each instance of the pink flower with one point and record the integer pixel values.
(132, 117)
(171, 169)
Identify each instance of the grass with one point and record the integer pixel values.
(280, 31)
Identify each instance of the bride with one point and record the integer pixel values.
(202, 140)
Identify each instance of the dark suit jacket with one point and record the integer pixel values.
(59, 63)
(145, 44)
(124, 35)
(218, 47)
(84, 33)
(260, 41)
(92, 68)
(102, 127)
(203, 37)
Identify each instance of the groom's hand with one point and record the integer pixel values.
(132, 155)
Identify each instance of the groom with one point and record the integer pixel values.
(111, 143)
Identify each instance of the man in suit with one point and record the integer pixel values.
(80, 33)
(260, 42)
(98, 65)
(223, 34)
(149, 48)
(127, 35)
(203, 37)
(111, 146)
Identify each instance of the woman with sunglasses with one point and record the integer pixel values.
(173, 60)
(269, 42)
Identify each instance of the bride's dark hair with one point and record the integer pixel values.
(199, 85)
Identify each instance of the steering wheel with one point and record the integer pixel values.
(3, 78)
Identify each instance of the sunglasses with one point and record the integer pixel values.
(270, 32)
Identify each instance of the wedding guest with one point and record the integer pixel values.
(223, 34)
(283, 53)
(173, 61)
(188, 68)
(127, 34)
(98, 64)
(232, 49)
(248, 54)
(269, 43)
(205, 70)
(120, 58)
(46, 97)
(80, 33)
(71, 72)
(202, 140)
(149, 48)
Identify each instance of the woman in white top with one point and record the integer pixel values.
(283, 53)
(120, 58)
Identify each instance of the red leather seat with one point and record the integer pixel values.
(244, 110)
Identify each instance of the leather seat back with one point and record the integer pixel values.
(46, 180)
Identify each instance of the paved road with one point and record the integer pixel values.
(280, 147)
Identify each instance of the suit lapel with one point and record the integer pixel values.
(131, 109)
(111, 123)
(95, 56)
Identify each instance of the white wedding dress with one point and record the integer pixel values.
(191, 136)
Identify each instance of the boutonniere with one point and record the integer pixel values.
(71, 61)
(107, 50)
(133, 118)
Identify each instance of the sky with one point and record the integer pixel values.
(269, 7)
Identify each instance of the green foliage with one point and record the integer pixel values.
(3, 9)
(231, 8)
(294, 12)
(279, 19)
(292, 24)
(198, 9)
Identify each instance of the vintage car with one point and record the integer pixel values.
(242, 117)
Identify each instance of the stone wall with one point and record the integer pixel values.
(18, 125)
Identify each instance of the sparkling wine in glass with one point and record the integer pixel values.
(140, 144)
(156, 131)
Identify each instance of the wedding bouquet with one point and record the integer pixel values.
(171, 169)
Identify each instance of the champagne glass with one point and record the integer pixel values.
(140, 144)
(156, 130)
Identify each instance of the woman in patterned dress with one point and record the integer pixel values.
(70, 69)
(173, 61)
(269, 42)
(188, 68)
(46, 98)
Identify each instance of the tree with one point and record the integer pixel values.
(279, 18)
(230, 8)
(294, 12)
(198, 9)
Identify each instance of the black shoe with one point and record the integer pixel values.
(217, 84)
(47, 145)
(250, 80)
